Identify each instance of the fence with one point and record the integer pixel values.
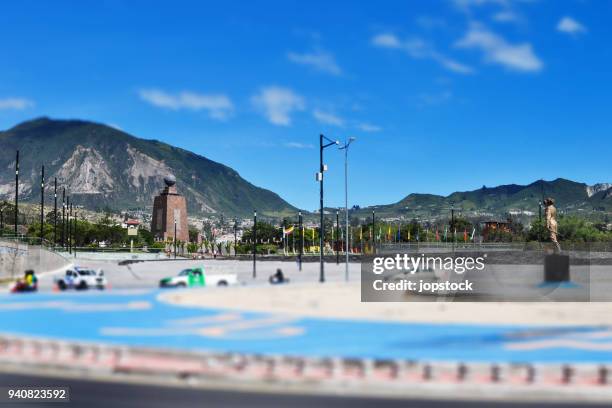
(492, 246)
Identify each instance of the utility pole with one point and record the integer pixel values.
(54, 212)
(254, 244)
(16, 191)
(42, 204)
(322, 169)
(301, 243)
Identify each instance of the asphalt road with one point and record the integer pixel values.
(502, 281)
(92, 394)
(146, 275)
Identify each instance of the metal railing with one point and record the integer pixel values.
(385, 374)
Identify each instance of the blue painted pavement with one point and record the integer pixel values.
(140, 319)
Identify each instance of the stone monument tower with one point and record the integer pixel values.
(169, 208)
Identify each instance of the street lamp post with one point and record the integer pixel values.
(63, 217)
(373, 232)
(16, 190)
(301, 243)
(66, 236)
(175, 237)
(346, 224)
(322, 169)
(235, 239)
(453, 225)
(541, 203)
(74, 232)
(55, 212)
(254, 244)
(337, 237)
(540, 221)
(42, 204)
(69, 226)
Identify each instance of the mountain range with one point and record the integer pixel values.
(103, 167)
(500, 201)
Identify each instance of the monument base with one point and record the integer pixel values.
(556, 268)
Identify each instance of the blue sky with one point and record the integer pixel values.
(441, 95)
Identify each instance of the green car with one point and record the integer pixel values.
(194, 277)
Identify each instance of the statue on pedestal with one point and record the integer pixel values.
(551, 222)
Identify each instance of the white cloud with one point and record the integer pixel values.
(16, 103)
(453, 65)
(298, 145)
(319, 60)
(277, 104)
(518, 57)
(419, 49)
(328, 118)
(570, 26)
(386, 41)
(368, 127)
(507, 16)
(218, 106)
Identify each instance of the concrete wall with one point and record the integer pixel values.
(16, 257)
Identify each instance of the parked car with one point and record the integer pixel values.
(194, 277)
(82, 278)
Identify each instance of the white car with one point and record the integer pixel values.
(194, 277)
(81, 279)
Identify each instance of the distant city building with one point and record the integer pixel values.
(521, 212)
(170, 209)
(130, 223)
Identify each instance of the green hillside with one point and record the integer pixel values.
(497, 202)
(105, 167)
